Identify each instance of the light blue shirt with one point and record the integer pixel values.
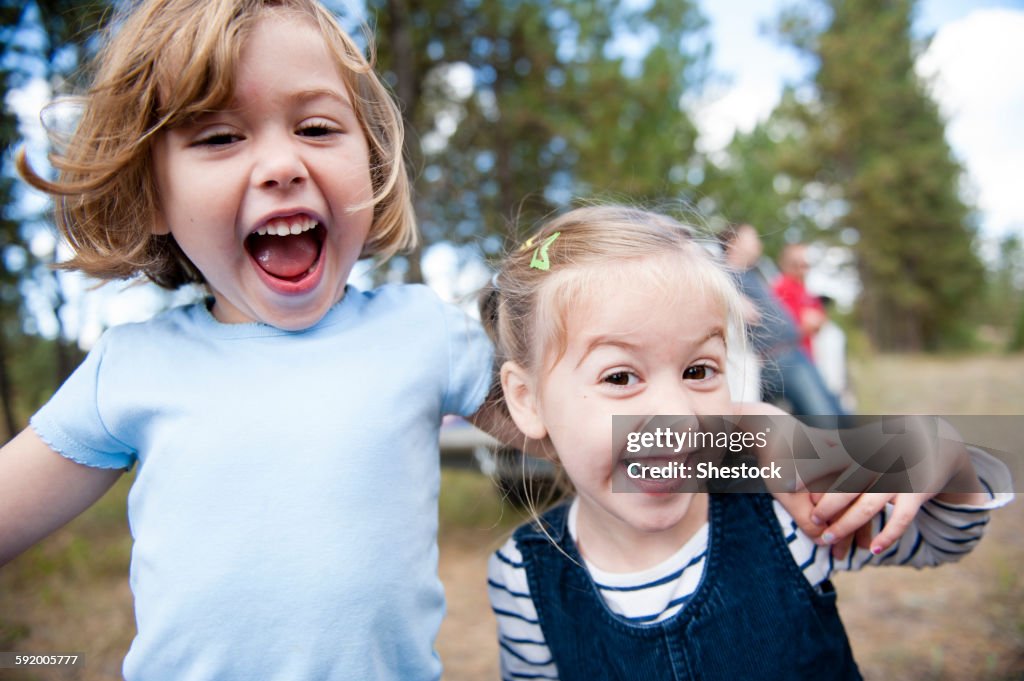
(284, 509)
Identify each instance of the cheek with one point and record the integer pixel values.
(718, 403)
(713, 402)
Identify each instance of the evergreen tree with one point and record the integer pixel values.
(758, 179)
(879, 138)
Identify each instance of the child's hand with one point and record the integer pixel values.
(935, 465)
(842, 517)
(841, 467)
(803, 506)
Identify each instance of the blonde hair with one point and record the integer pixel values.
(164, 63)
(526, 307)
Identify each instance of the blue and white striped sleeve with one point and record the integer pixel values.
(940, 533)
(524, 652)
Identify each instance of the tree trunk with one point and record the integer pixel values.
(406, 66)
(6, 393)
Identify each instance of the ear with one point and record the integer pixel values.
(521, 398)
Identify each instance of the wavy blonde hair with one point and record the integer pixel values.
(162, 64)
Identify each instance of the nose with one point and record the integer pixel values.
(279, 164)
(673, 398)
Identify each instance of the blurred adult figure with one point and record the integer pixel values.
(787, 372)
(829, 346)
(790, 287)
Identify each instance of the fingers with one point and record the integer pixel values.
(830, 505)
(904, 510)
(842, 547)
(862, 537)
(860, 513)
(799, 505)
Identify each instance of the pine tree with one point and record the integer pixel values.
(880, 138)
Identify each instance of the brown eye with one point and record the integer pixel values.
(699, 372)
(620, 378)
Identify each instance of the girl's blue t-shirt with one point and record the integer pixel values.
(284, 508)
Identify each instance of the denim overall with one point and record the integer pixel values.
(753, 615)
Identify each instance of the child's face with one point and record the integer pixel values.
(289, 156)
(631, 351)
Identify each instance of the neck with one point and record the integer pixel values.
(615, 545)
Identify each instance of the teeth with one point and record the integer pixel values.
(286, 228)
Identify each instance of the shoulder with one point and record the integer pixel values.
(175, 322)
(410, 304)
(399, 296)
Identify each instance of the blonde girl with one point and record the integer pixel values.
(613, 310)
(283, 431)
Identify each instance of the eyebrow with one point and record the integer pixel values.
(305, 96)
(322, 93)
(717, 331)
(598, 341)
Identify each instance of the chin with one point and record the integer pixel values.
(662, 516)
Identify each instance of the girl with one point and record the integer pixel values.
(612, 310)
(284, 431)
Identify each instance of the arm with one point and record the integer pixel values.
(522, 646)
(40, 491)
(941, 468)
(939, 533)
(948, 474)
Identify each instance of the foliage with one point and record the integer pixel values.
(1003, 303)
(554, 110)
(758, 179)
(875, 135)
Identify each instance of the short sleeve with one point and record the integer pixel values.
(470, 362)
(71, 423)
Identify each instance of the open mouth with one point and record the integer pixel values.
(656, 472)
(287, 249)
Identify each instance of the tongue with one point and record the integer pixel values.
(285, 257)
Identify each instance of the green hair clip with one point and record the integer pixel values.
(540, 254)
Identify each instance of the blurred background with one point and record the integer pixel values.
(886, 134)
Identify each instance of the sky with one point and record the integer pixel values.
(973, 64)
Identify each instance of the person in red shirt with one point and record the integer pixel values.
(806, 309)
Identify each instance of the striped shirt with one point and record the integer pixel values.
(940, 533)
